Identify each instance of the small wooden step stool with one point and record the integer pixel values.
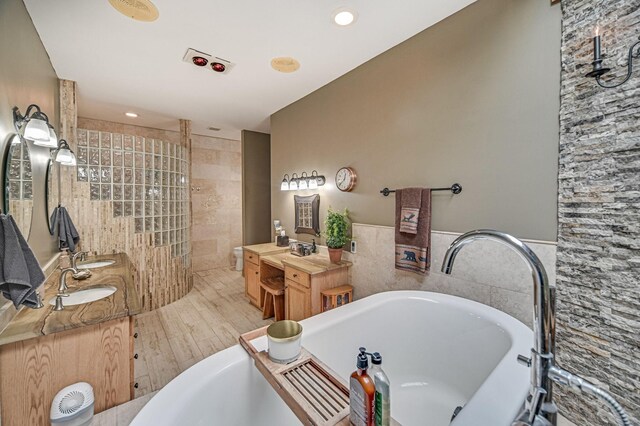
(272, 298)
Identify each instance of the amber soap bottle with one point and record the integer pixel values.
(361, 393)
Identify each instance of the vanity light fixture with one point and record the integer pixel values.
(293, 183)
(598, 70)
(284, 186)
(131, 114)
(64, 155)
(303, 182)
(34, 126)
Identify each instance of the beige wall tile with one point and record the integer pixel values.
(217, 201)
(486, 271)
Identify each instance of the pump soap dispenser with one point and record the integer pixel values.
(362, 393)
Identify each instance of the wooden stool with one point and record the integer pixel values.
(335, 297)
(272, 298)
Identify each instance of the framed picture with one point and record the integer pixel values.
(307, 214)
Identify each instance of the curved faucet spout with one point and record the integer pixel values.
(543, 314)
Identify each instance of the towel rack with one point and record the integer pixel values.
(456, 188)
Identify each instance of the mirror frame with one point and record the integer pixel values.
(314, 200)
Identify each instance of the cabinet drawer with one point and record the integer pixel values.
(251, 258)
(301, 278)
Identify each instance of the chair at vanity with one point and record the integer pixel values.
(272, 298)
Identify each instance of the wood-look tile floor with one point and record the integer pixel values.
(207, 320)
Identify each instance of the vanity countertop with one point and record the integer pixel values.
(314, 264)
(30, 323)
(265, 249)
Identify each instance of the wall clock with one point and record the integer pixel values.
(346, 179)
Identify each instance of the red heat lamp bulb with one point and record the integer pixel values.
(200, 61)
(218, 67)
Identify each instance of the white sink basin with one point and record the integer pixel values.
(96, 264)
(85, 296)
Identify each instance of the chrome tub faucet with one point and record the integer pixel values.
(539, 408)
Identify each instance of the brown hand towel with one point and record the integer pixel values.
(413, 251)
(411, 199)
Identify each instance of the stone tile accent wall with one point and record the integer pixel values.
(485, 271)
(216, 169)
(598, 279)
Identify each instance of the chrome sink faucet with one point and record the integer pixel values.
(74, 259)
(62, 282)
(539, 408)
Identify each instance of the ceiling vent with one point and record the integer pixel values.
(210, 62)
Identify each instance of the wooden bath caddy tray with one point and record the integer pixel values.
(309, 388)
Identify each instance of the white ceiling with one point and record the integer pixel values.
(125, 65)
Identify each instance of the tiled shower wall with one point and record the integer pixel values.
(216, 172)
(143, 178)
(127, 175)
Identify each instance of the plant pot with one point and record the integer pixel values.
(335, 255)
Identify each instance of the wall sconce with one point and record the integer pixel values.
(34, 126)
(284, 186)
(64, 155)
(598, 70)
(303, 182)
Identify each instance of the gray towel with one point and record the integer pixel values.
(68, 236)
(20, 274)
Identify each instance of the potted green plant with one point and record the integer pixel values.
(336, 233)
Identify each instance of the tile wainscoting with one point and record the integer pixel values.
(486, 271)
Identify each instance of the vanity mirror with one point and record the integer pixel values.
(307, 214)
(18, 183)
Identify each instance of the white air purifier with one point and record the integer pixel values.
(73, 406)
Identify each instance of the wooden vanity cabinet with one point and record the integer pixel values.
(32, 371)
(252, 281)
(303, 290)
(297, 297)
(251, 268)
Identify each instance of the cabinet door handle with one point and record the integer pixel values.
(295, 275)
(257, 272)
(250, 257)
(136, 385)
(136, 356)
(135, 335)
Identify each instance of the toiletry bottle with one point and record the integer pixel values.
(361, 393)
(382, 404)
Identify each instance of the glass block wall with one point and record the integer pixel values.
(19, 173)
(144, 178)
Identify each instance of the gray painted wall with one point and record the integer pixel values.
(256, 187)
(473, 99)
(598, 275)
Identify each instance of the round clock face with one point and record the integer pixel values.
(346, 179)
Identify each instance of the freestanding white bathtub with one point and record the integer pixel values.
(439, 351)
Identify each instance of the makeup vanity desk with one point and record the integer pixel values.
(304, 279)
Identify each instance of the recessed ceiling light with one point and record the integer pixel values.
(140, 10)
(131, 114)
(285, 64)
(344, 16)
